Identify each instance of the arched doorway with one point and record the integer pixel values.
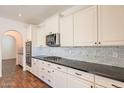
(18, 47)
(8, 55)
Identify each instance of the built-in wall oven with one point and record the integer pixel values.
(28, 46)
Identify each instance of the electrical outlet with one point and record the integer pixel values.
(115, 54)
(69, 51)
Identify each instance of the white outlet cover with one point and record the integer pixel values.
(115, 54)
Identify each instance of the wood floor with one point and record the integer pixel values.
(14, 77)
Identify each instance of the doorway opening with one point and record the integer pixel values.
(12, 52)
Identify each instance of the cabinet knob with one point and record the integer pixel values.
(99, 42)
(95, 43)
(91, 86)
(49, 80)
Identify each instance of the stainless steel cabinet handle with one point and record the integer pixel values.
(58, 67)
(115, 86)
(49, 72)
(78, 74)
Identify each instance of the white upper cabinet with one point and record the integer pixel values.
(66, 30)
(52, 24)
(41, 35)
(111, 25)
(34, 30)
(85, 27)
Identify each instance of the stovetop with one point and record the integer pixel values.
(53, 58)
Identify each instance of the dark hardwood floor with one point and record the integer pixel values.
(14, 77)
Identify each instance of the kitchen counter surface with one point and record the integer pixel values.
(112, 72)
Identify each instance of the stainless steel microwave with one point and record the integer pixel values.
(53, 40)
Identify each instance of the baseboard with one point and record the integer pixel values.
(9, 59)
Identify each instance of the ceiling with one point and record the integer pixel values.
(32, 14)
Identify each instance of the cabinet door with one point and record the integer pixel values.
(60, 79)
(41, 36)
(66, 30)
(34, 31)
(35, 67)
(111, 25)
(85, 27)
(74, 82)
(52, 24)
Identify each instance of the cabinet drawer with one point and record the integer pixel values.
(109, 83)
(75, 82)
(81, 74)
(60, 68)
(49, 65)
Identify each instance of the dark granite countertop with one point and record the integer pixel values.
(112, 72)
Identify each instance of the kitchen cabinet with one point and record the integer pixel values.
(38, 36)
(111, 25)
(46, 72)
(41, 36)
(108, 83)
(60, 79)
(66, 30)
(74, 82)
(34, 31)
(60, 76)
(52, 24)
(85, 27)
(80, 79)
(35, 67)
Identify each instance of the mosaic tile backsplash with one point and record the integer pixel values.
(102, 55)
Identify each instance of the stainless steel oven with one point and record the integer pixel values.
(28, 46)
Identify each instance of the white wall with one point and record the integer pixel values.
(8, 47)
(22, 28)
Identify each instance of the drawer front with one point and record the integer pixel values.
(49, 71)
(75, 82)
(60, 68)
(49, 65)
(109, 83)
(81, 74)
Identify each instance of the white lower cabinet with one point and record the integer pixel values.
(35, 67)
(108, 83)
(74, 82)
(58, 76)
(60, 79)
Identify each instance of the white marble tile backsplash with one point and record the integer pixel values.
(100, 55)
